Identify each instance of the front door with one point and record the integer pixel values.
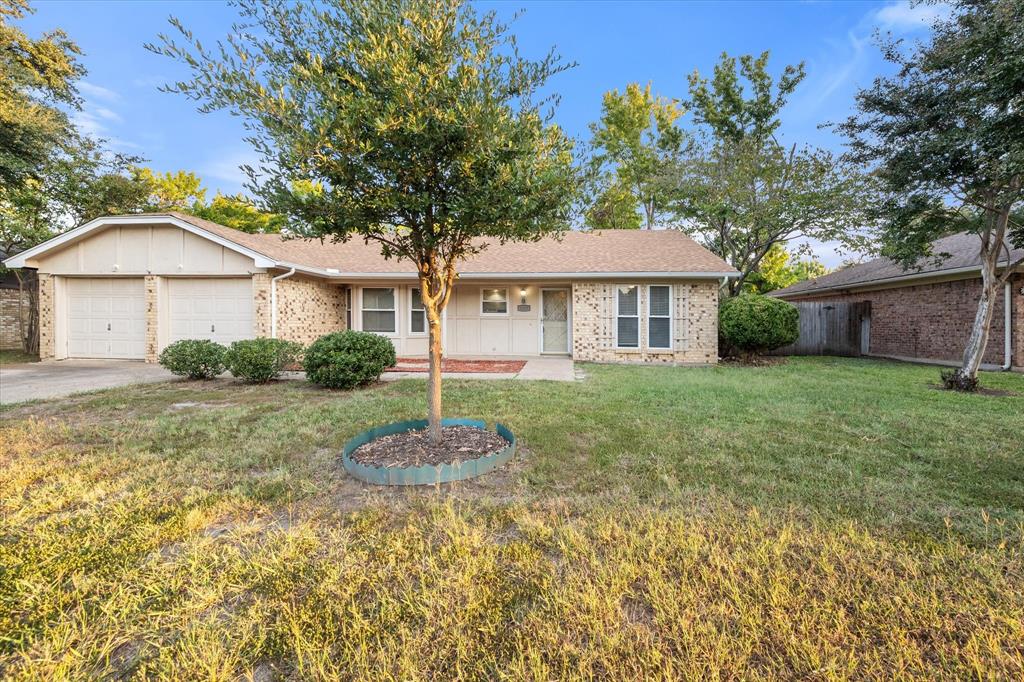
(554, 320)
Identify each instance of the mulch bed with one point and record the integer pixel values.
(460, 366)
(413, 448)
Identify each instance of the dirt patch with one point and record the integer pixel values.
(755, 361)
(414, 448)
(460, 366)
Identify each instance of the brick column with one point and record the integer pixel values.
(261, 304)
(47, 348)
(152, 318)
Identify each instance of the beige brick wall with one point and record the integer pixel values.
(152, 318)
(695, 324)
(308, 308)
(261, 303)
(13, 306)
(47, 347)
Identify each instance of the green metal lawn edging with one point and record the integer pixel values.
(426, 474)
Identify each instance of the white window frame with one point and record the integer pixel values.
(415, 297)
(484, 313)
(670, 316)
(637, 316)
(393, 311)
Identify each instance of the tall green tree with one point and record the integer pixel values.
(946, 136)
(776, 271)
(415, 124)
(239, 212)
(637, 145)
(744, 191)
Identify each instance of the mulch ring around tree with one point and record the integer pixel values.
(414, 448)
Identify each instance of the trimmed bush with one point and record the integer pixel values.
(753, 324)
(348, 359)
(194, 358)
(257, 361)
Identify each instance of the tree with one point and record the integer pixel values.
(743, 191)
(946, 136)
(178, 191)
(776, 272)
(37, 85)
(239, 212)
(613, 208)
(637, 144)
(414, 124)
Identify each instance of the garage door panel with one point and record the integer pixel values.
(218, 310)
(106, 318)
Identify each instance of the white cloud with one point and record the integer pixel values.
(108, 115)
(901, 17)
(149, 81)
(98, 92)
(226, 167)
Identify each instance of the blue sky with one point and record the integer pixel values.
(614, 43)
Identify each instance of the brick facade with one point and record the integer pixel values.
(152, 318)
(695, 324)
(13, 307)
(933, 321)
(47, 341)
(261, 303)
(308, 308)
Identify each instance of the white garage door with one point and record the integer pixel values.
(106, 318)
(216, 309)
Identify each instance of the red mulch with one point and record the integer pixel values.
(459, 366)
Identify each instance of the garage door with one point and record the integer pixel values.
(106, 318)
(216, 309)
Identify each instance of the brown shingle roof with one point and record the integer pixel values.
(963, 249)
(598, 251)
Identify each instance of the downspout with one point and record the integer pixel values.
(273, 301)
(1007, 340)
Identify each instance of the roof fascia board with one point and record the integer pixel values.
(533, 275)
(18, 261)
(864, 284)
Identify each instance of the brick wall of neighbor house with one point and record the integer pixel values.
(695, 324)
(308, 308)
(261, 303)
(47, 348)
(13, 304)
(933, 321)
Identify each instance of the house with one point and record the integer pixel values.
(13, 304)
(926, 313)
(127, 286)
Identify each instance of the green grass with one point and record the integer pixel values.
(14, 357)
(825, 518)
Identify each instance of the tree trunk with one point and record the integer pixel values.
(434, 379)
(28, 287)
(978, 341)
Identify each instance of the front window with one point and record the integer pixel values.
(379, 310)
(627, 317)
(659, 316)
(494, 301)
(417, 313)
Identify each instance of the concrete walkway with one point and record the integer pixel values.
(40, 380)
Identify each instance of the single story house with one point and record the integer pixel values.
(925, 313)
(127, 286)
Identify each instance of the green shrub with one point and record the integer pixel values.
(257, 361)
(194, 358)
(348, 359)
(752, 323)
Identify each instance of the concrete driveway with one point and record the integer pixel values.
(37, 380)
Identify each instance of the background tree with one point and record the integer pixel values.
(637, 144)
(413, 124)
(241, 213)
(172, 191)
(946, 136)
(777, 272)
(744, 192)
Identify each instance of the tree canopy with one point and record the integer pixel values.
(415, 124)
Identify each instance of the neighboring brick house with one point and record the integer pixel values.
(926, 313)
(127, 286)
(13, 307)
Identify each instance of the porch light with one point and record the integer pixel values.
(522, 295)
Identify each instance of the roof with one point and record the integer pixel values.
(668, 253)
(964, 257)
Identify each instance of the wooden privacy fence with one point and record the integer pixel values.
(831, 329)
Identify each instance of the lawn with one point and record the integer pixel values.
(821, 519)
(14, 357)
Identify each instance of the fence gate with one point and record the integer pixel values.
(832, 329)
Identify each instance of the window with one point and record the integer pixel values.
(627, 313)
(417, 313)
(348, 307)
(379, 310)
(494, 301)
(659, 316)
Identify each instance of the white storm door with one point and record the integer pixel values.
(215, 309)
(106, 318)
(554, 320)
